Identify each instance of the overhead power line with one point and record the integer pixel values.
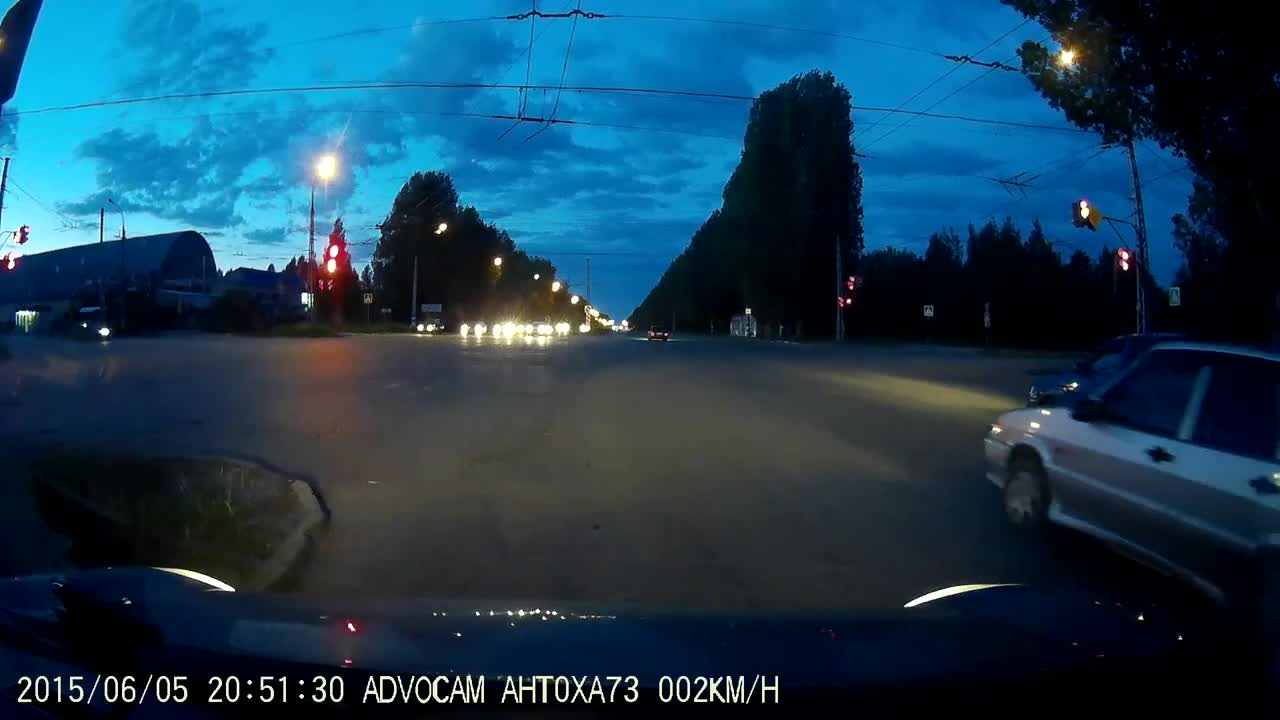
(633, 91)
(951, 70)
(564, 68)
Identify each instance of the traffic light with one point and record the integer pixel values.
(332, 254)
(9, 261)
(23, 232)
(1084, 214)
(1123, 259)
(850, 282)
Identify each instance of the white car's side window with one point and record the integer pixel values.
(1154, 396)
(1240, 413)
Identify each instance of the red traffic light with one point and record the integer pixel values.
(23, 232)
(850, 282)
(331, 266)
(1123, 254)
(10, 261)
(333, 251)
(839, 302)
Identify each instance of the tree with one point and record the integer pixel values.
(790, 206)
(1198, 82)
(271, 267)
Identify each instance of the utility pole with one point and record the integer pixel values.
(413, 311)
(311, 257)
(1140, 228)
(4, 181)
(839, 332)
(102, 236)
(589, 279)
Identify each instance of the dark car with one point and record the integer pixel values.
(91, 324)
(657, 333)
(1110, 358)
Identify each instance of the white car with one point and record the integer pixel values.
(1173, 461)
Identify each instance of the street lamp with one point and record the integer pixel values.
(413, 308)
(1066, 57)
(124, 271)
(497, 262)
(537, 276)
(325, 169)
(555, 286)
(574, 300)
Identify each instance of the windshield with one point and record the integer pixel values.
(371, 289)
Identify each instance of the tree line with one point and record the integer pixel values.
(1203, 86)
(455, 250)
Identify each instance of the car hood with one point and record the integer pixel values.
(1054, 383)
(165, 622)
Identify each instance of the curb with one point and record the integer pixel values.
(290, 553)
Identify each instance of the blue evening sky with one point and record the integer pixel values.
(237, 168)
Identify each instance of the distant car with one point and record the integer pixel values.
(657, 333)
(1174, 460)
(91, 324)
(1110, 358)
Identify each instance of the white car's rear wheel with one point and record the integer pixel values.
(1026, 495)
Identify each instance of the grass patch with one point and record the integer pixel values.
(297, 330)
(220, 517)
(378, 328)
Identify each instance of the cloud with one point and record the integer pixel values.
(269, 235)
(182, 46)
(193, 179)
(929, 158)
(9, 131)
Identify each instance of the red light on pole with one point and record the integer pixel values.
(333, 251)
(331, 266)
(23, 232)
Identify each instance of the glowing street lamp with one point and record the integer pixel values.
(574, 300)
(497, 262)
(1066, 57)
(443, 226)
(537, 276)
(326, 166)
(555, 286)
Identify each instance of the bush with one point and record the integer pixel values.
(235, 311)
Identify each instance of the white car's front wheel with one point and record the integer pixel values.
(1026, 494)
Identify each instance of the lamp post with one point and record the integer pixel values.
(124, 270)
(326, 166)
(413, 311)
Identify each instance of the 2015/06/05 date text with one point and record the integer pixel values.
(387, 689)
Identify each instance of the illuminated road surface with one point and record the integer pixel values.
(701, 473)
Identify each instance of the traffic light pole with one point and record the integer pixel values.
(1140, 228)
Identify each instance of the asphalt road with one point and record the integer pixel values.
(699, 473)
